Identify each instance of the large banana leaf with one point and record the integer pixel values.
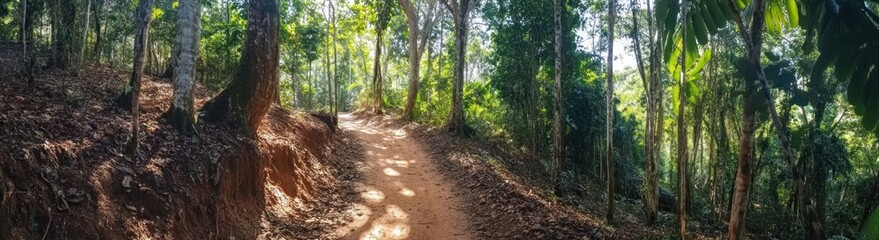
(848, 40)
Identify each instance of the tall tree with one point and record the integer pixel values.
(182, 111)
(383, 11)
(335, 103)
(650, 82)
(558, 127)
(611, 21)
(246, 100)
(417, 43)
(682, 128)
(460, 10)
(753, 37)
(142, 25)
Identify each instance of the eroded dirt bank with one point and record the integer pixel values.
(63, 174)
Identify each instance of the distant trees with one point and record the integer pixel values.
(246, 100)
(182, 111)
(63, 20)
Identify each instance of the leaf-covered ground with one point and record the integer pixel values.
(63, 174)
(506, 196)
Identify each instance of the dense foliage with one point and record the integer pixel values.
(802, 73)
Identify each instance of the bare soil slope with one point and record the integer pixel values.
(63, 174)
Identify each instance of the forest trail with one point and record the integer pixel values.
(404, 195)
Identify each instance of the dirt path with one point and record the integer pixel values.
(403, 194)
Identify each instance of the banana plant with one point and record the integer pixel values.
(848, 40)
(706, 17)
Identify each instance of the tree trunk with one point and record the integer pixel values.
(85, 34)
(414, 57)
(99, 6)
(812, 215)
(65, 17)
(753, 42)
(377, 75)
(610, 106)
(746, 158)
(142, 19)
(682, 130)
(460, 11)
(651, 188)
(335, 102)
(558, 129)
(172, 62)
(182, 111)
(246, 100)
(692, 167)
(327, 69)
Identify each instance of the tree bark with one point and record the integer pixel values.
(142, 19)
(753, 42)
(682, 129)
(377, 75)
(651, 188)
(383, 9)
(182, 111)
(610, 106)
(558, 144)
(460, 11)
(335, 102)
(246, 100)
(414, 57)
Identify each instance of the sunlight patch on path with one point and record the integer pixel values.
(404, 197)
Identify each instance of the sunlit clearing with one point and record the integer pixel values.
(407, 192)
(391, 172)
(373, 195)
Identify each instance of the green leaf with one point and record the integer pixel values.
(704, 59)
(871, 113)
(693, 92)
(793, 14)
(855, 92)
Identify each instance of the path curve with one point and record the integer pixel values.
(404, 196)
